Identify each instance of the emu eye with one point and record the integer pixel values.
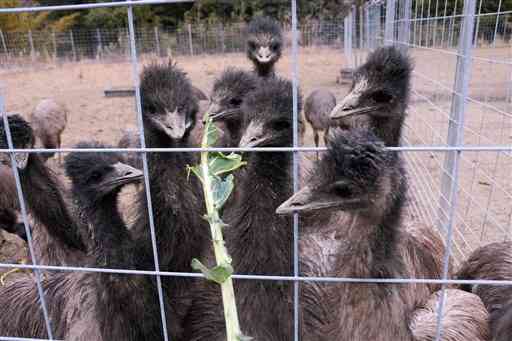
(95, 176)
(252, 45)
(235, 102)
(381, 97)
(281, 125)
(342, 190)
(274, 46)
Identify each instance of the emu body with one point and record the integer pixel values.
(49, 119)
(492, 262)
(169, 113)
(59, 237)
(317, 108)
(81, 305)
(362, 189)
(258, 241)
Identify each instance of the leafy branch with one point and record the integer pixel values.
(214, 173)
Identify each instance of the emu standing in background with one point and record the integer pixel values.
(57, 232)
(86, 305)
(379, 95)
(258, 241)
(492, 262)
(264, 45)
(317, 108)
(359, 178)
(169, 111)
(229, 92)
(131, 139)
(49, 120)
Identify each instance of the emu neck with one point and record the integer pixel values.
(260, 240)
(371, 239)
(112, 242)
(177, 206)
(264, 70)
(43, 195)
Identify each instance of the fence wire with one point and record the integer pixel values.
(457, 137)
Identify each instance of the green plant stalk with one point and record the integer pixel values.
(222, 257)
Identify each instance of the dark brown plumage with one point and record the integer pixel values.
(169, 113)
(492, 262)
(9, 204)
(361, 189)
(258, 241)
(264, 45)
(379, 95)
(464, 318)
(49, 119)
(59, 237)
(83, 305)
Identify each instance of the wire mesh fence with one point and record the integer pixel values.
(457, 139)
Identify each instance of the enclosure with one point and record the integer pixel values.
(458, 133)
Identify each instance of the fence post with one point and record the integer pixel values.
(4, 45)
(31, 43)
(157, 41)
(449, 183)
(389, 34)
(54, 41)
(190, 40)
(361, 28)
(348, 26)
(367, 20)
(405, 27)
(100, 44)
(496, 26)
(456, 122)
(72, 45)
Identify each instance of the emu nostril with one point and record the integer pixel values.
(347, 108)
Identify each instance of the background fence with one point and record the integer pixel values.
(458, 134)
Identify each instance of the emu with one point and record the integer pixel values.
(317, 108)
(81, 305)
(264, 45)
(359, 180)
(9, 205)
(169, 112)
(259, 242)
(229, 92)
(379, 95)
(49, 119)
(492, 262)
(58, 235)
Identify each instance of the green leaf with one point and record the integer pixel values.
(221, 189)
(211, 133)
(196, 170)
(244, 338)
(220, 163)
(218, 274)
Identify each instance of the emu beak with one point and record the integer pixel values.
(351, 106)
(121, 175)
(308, 200)
(264, 55)
(173, 124)
(254, 136)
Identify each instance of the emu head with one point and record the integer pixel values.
(97, 175)
(264, 43)
(268, 115)
(379, 95)
(229, 92)
(169, 105)
(22, 138)
(348, 177)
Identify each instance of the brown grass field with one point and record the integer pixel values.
(484, 209)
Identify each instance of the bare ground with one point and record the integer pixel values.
(484, 208)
